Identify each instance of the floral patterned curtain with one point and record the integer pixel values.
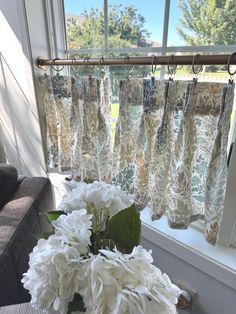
(170, 147)
(77, 112)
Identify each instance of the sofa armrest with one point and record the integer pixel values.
(20, 179)
(20, 224)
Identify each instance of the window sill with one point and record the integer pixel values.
(190, 246)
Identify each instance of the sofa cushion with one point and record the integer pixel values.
(8, 182)
(20, 225)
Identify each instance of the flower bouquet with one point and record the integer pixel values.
(93, 262)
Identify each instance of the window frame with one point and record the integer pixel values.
(227, 236)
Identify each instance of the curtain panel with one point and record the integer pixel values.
(170, 146)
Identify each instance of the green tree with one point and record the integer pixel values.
(208, 22)
(126, 29)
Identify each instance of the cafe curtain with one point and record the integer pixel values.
(170, 141)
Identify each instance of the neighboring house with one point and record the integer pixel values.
(79, 20)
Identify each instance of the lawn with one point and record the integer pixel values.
(114, 117)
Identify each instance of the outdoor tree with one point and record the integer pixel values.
(208, 22)
(126, 29)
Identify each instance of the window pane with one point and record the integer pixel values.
(202, 23)
(84, 23)
(135, 23)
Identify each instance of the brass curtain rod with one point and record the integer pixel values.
(152, 60)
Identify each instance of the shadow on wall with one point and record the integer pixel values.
(21, 134)
(19, 141)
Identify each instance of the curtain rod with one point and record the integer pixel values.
(151, 60)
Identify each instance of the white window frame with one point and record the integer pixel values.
(227, 236)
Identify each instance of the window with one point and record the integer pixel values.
(128, 27)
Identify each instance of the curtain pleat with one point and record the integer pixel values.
(170, 147)
(199, 163)
(55, 94)
(166, 135)
(217, 173)
(81, 110)
(127, 130)
(154, 97)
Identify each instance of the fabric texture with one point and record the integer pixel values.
(20, 226)
(170, 147)
(8, 182)
(77, 113)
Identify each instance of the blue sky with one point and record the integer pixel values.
(152, 10)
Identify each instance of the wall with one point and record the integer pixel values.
(47, 41)
(19, 118)
(213, 297)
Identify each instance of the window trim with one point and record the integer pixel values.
(190, 246)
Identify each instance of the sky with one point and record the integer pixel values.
(152, 10)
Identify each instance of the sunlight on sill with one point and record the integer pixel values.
(189, 245)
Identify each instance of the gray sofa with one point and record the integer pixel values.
(21, 200)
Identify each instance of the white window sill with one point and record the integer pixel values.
(190, 246)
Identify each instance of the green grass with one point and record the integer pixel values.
(115, 110)
(114, 115)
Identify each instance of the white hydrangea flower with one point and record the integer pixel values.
(74, 229)
(100, 199)
(54, 275)
(119, 283)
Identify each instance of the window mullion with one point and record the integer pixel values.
(106, 44)
(165, 34)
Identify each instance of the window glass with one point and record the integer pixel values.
(199, 23)
(135, 23)
(84, 24)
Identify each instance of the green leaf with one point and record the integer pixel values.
(76, 305)
(53, 215)
(125, 229)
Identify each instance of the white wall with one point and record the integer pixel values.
(21, 135)
(213, 297)
(47, 40)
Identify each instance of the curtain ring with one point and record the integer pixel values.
(102, 68)
(53, 64)
(196, 72)
(153, 68)
(125, 68)
(231, 74)
(86, 59)
(73, 59)
(173, 71)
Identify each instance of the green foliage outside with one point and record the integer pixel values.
(126, 29)
(208, 22)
